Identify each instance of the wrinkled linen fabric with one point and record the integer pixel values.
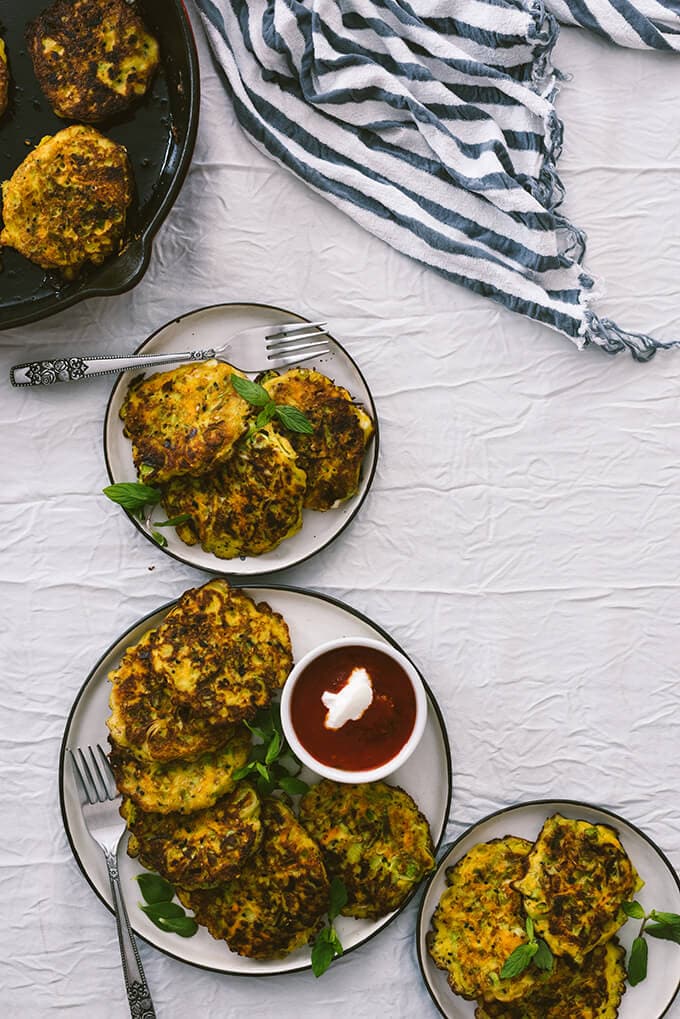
(434, 126)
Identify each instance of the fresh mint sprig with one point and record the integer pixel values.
(272, 765)
(167, 915)
(657, 924)
(290, 417)
(532, 950)
(138, 499)
(327, 945)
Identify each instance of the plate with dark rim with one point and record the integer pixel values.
(159, 133)
(653, 997)
(312, 619)
(210, 327)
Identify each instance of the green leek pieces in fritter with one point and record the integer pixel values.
(479, 922)
(327, 945)
(290, 417)
(664, 926)
(592, 990)
(161, 910)
(272, 763)
(374, 837)
(578, 875)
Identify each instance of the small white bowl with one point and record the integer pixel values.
(341, 774)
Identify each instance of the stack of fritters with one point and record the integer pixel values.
(571, 882)
(244, 493)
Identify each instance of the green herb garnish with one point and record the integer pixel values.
(290, 417)
(138, 499)
(272, 765)
(657, 924)
(532, 950)
(167, 915)
(327, 945)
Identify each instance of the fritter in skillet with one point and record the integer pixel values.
(199, 850)
(66, 204)
(180, 786)
(221, 654)
(248, 505)
(92, 58)
(4, 78)
(331, 456)
(590, 991)
(373, 837)
(279, 900)
(183, 421)
(147, 722)
(578, 875)
(479, 922)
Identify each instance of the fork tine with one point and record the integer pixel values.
(283, 362)
(106, 774)
(287, 343)
(83, 774)
(292, 348)
(293, 327)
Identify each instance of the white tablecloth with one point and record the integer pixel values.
(519, 541)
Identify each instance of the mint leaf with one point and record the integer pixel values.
(273, 749)
(132, 495)
(159, 538)
(543, 958)
(154, 888)
(323, 953)
(338, 898)
(163, 910)
(664, 932)
(293, 786)
(251, 392)
(265, 415)
(185, 925)
(173, 521)
(518, 960)
(637, 962)
(633, 909)
(673, 919)
(293, 419)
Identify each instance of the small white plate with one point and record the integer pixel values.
(311, 619)
(210, 327)
(650, 999)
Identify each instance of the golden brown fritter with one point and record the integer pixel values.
(221, 654)
(145, 719)
(216, 658)
(373, 837)
(332, 455)
(92, 58)
(578, 875)
(279, 900)
(248, 505)
(479, 922)
(198, 850)
(181, 786)
(590, 991)
(183, 421)
(66, 204)
(4, 78)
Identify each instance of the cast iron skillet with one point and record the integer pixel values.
(159, 134)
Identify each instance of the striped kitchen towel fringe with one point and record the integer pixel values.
(432, 123)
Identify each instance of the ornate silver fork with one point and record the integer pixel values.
(252, 350)
(106, 826)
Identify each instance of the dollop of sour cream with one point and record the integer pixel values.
(350, 702)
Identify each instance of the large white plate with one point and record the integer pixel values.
(210, 327)
(649, 1000)
(311, 619)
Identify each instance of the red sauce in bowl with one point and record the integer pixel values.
(369, 741)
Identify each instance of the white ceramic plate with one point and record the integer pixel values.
(650, 999)
(210, 327)
(311, 619)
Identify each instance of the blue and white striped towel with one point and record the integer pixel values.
(432, 123)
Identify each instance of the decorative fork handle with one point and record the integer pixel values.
(73, 369)
(139, 996)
